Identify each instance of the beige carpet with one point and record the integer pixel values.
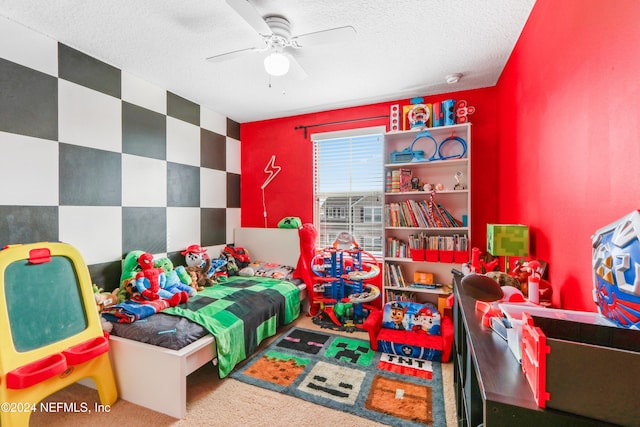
(227, 402)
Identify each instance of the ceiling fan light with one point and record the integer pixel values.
(276, 64)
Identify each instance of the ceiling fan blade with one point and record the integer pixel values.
(334, 35)
(295, 69)
(228, 56)
(251, 15)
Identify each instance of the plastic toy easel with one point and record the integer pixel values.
(50, 333)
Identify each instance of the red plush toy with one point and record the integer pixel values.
(150, 282)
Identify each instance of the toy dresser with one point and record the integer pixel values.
(411, 329)
(50, 333)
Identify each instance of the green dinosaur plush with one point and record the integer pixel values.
(178, 277)
(130, 269)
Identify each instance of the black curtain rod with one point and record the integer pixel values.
(337, 123)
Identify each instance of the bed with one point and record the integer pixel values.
(156, 377)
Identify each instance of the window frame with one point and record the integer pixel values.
(349, 213)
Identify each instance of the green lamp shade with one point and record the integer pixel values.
(508, 239)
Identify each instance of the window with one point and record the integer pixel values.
(349, 184)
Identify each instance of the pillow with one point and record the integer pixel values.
(411, 316)
(268, 269)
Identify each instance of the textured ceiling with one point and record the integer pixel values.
(403, 48)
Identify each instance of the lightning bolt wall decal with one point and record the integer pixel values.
(272, 170)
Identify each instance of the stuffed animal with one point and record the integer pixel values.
(130, 269)
(196, 256)
(236, 259)
(151, 283)
(218, 266)
(200, 279)
(178, 279)
(128, 291)
(104, 299)
(194, 279)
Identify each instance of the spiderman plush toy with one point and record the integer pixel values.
(150, 282)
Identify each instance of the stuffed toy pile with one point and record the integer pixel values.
(200, 267)
(143, 278)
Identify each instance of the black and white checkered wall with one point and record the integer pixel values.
(96, 157)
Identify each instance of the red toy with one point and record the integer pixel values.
(523, 271)
(150, 282)
(463, 110)
(478, 265)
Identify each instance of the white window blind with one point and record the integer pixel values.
(349, 184)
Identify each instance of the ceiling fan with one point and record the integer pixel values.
(275, 31)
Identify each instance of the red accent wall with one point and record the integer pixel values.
(569, 133)
(291, 191)
(555, 142)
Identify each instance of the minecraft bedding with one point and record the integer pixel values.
(240, 313)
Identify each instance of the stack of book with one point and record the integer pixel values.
(418, 213)
(400, 296)
(400, 180)
(397, 248)
(393, 276)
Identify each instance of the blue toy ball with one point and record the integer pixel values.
(616, 271)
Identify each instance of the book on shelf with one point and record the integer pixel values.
(425, 285)
(418, 213)
(424, 210)
(394, 276)
(395, 181)
(448, 218)
(405, 180)
(410, 217)
(397, 248)
(392, 295)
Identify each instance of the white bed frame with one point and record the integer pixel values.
(161, 384)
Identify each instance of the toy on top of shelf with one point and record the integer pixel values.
(444, 150)
(463, 110)
(448, 112)
(458, 177)
(417, 114)
(437, 118)
(403, 156)
(394, 118)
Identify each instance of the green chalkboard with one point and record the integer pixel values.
(44, 302)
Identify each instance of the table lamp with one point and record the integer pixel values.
(508, 240)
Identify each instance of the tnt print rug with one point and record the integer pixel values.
(345, 374)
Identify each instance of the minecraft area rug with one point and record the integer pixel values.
(345, 374)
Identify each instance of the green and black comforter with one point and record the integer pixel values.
(240, 313)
